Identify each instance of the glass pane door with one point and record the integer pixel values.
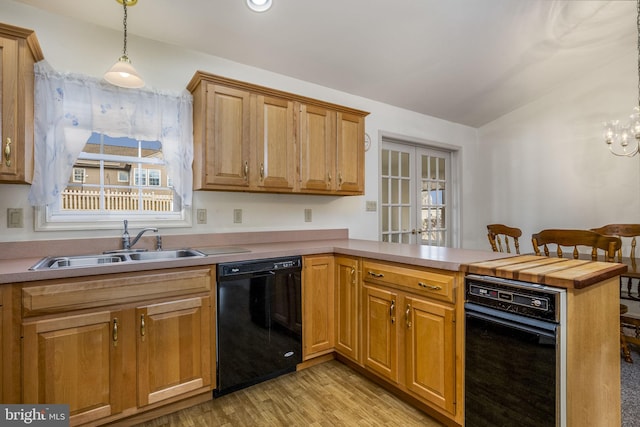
(433, 169)
(397, 206)
(415, 195)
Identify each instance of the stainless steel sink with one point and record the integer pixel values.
(50, 263)
(160, 255)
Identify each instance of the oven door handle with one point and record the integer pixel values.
(549, 329)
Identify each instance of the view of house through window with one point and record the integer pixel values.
(121, 175)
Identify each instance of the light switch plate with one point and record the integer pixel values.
(14, 218)
(201, 216)
(371, 206)
(237, 216)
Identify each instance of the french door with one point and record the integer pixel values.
(415, 194)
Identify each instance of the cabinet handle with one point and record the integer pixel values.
(353, 275)
(329, 176)
(340, 178)
(374, 274)
(408, 316)
(114, 332)
(261, 171)
(7, 152)
(246, 171)
(392, 311)
(142, 331)
(430, 287)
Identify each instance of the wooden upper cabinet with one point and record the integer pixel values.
(19, 51)
(317, 149)
(350, 153)
(275, 148)
(227, 127)
(252, 138)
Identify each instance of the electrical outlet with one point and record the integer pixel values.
(202, 216)
(307, 215)
(14, 218)
(371, 206)
(237, 216)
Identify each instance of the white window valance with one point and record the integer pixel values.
(69, 107)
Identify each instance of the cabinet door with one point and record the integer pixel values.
(317, 149)
(275, 144)
(174, 342)
(380, 340)
(227, 136)
(347, 306)
(77, 360)
(350, 154)
(430, 351)
(318, 306)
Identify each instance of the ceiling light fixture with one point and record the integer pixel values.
(259, 5)
(122, 73)
(623, 139)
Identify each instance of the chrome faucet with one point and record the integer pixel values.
(127, 243)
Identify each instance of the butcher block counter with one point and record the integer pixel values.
(559, 272)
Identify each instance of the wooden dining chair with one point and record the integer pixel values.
(499, 232)
(629, 287)
(610, 245)
(573, 239)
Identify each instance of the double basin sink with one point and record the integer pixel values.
(55, 262)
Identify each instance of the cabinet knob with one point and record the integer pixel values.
(407, 314)
(114, 332)
(392, 311)
(142, 328)
(7, 152)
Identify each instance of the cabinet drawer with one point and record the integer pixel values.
(434, 283)
(72, 294)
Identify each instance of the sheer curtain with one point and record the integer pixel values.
(69, 107)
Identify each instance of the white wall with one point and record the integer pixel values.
(546, 165)
(69, 45)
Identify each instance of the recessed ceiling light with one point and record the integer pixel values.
(259, 5)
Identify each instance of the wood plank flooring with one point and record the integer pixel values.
(328, 394)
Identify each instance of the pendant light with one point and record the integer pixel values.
(122, 73)
(259, 5)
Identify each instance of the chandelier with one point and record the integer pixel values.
(623, 139)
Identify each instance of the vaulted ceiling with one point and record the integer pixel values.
(466, 61)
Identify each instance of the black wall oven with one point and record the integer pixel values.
(259, 321)
(515, 361)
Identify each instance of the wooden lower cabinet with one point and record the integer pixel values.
(347, 306)
(318, 331)
(76, 360)
(174, 348)
(409, 336)
(380, 331)
(430, 351)
(118, 360)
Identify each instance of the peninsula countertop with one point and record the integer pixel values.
(17, 257)
(17, 269)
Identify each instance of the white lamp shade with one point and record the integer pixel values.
(124, 75)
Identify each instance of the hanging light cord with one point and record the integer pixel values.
(124, 25)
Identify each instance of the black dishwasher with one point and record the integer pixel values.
(259, 321)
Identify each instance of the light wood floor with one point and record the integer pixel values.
(329, 394)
